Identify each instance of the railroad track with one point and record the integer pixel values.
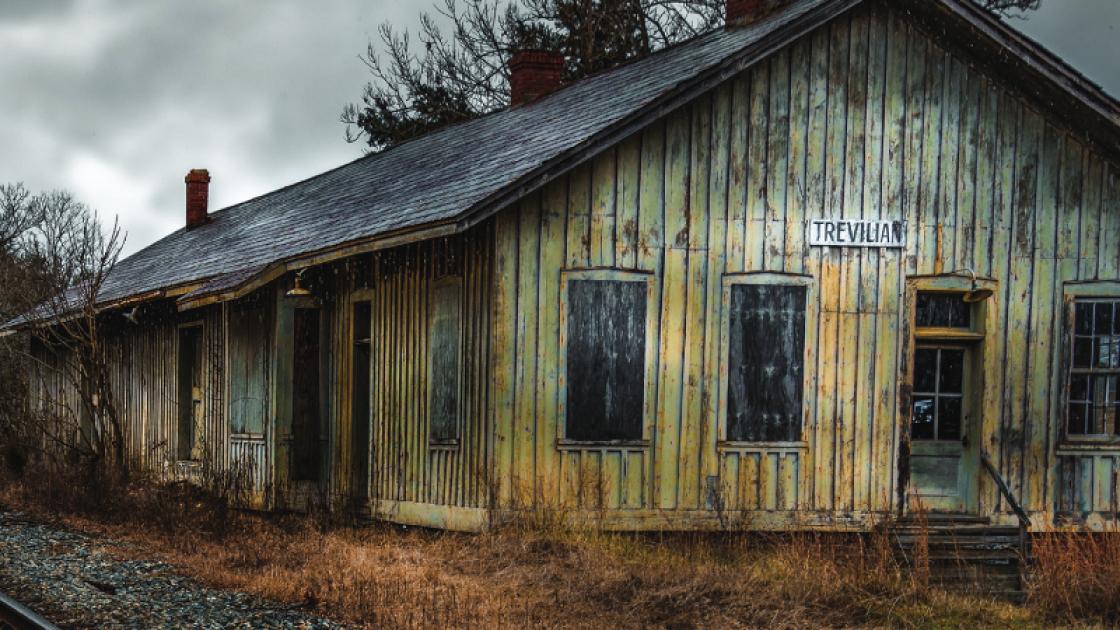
(16, 616)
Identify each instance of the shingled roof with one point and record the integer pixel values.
(452, 178)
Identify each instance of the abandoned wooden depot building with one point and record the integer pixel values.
(837, 260)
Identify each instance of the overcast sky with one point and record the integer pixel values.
(115, 100)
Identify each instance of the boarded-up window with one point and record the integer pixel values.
(606, 349)
(305, 395)
(765, 362)
(444, 377)
(1094, 382)
(249, 340)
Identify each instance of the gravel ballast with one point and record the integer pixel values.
(76, 581)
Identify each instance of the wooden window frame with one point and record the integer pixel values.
(651, 354)
(446, 444)
(201, 325)
(1071, 293)
(766, 278)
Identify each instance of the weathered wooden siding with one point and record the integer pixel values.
(143, 376)
(866, 118)
(404, 467)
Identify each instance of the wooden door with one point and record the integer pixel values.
(191, 409)
(944, 455)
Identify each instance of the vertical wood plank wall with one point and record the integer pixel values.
(143, 376)
(404, 466)
(865, 118)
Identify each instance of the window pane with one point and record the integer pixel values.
(606, 350)
(942, 310)
(1077, 418)
(1103, 323)
(949, 418)
(765, 362)
(1082, 352)
(1079, 388)
(952, 371)
(1107, 352)
(1103, 395)
(1083, 316)
(925, 370)
(445, 361)
(921, 421)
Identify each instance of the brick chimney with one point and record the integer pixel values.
(742, 12)
(198, 196)
(533, 74)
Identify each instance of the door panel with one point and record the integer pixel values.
(943, 460)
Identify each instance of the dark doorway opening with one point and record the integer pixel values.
(306, 396)
(190, 393)
(360, 402)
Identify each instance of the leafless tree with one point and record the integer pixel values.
(69, 254)
(459, 72)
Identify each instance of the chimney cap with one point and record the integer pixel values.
(743, 12)
(197, 176)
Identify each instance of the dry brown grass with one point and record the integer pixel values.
(533, 573)
(1076, 577)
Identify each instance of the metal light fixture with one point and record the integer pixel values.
(976, 294)
(298, 290)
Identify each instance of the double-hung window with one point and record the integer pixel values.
(1094, 369)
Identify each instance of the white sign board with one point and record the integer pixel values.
(857, 233)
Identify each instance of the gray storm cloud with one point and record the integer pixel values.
(116, 99)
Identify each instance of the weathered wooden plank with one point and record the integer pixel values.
(796, 203)
(696, 296)
(985, 200)
(865, 155)
(579, 219)
(716, 263)
(635, 475)
(777, 161)
(967, 225)
(929, 187)
(737, 216)
(814, 204)
(1043, 313)
(673, 311)
(892, 175)
(553, 215)
(528, 307)
(1090, 235)
(628, 182)
(757, 168)
(915, 77)
(504, 351)
(945, 226)
(603, 191)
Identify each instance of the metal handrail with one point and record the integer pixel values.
(1020, 513)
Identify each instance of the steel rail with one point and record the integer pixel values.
(16, 616)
